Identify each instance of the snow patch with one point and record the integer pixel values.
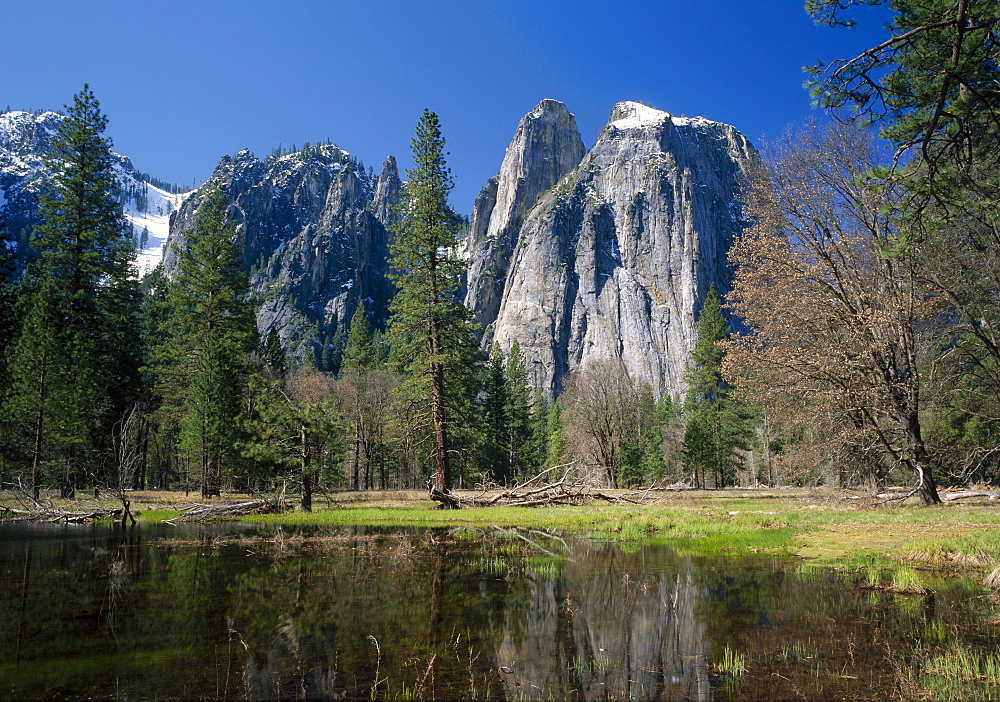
(630, 115)
(635, 115)
(155, 222)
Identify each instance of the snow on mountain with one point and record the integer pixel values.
(152, 224)
(24, 139)
(635, 115)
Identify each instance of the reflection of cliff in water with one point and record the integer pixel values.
(608, 624)
(228, 612)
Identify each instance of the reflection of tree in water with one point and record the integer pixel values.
(362, 618)
(454, 614)
(608, 625)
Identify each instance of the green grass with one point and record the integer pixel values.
(907, 581)
(732, 663)
(959, 673)
(818, 526)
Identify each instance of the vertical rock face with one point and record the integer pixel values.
(613, 262)
(314, 231)
(546, 147)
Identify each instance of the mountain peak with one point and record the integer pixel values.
(629, 115)
(548, 106)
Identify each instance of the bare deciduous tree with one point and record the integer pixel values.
(839, 318)
(367, 397)
(602, 413)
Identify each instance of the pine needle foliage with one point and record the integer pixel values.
(431, 335)
(81, 282)
(210, 332)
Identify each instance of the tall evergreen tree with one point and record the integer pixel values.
(519, 427)
(272, 353)
(210, 331)
(555, 439)
(717, 424)
(496, 420)
(360, 351)
(9, 326)
(85, 282)
(432, 334)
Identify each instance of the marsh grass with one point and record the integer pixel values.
(732, 663)
(818, 525)
(960, 673)
(906, 581)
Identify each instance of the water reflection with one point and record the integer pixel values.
(610, 622)
(235, 613)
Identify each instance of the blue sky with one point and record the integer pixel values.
(185, 81)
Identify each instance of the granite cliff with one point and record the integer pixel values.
(546, 146)
(314, 229)
(612, 263)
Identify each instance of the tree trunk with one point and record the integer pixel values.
(306, 502)
(36, 457)
(926, 487)
(307, 492)
(920, 462)
(357, 458)
(443, 477)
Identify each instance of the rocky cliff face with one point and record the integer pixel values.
(314, 230)
(613, 263)
(546, 147)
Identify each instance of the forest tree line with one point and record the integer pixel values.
(866, 354)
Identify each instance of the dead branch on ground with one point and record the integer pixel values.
(202, 513)
(566, 490)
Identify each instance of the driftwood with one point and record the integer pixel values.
(200, 513)
(536, 493)
(899, 496)
(49, 514)
(965, 494)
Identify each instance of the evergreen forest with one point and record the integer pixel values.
(859, 345)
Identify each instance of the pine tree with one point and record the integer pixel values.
(717, 424)
(496, 420)
(360, 351)
(295, 425)
(84, 279)
(432, 335)
(39, 400)
(704, 375)
(536, 450)
(10, 323)
(272, 353)
(555, 439)
(211, 330)
(518, 411)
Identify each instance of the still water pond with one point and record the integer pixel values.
(235, 612)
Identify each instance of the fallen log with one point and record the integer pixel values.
(561, 492)
(966, 494)
(54, 516)
(208, 512)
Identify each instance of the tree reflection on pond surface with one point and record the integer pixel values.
(230, 612)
